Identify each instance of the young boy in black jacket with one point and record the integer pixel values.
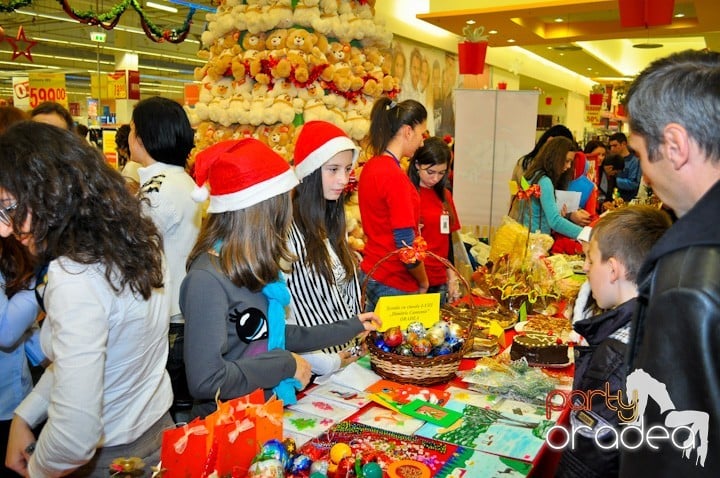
(618, 245)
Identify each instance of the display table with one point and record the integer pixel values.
(381, 427)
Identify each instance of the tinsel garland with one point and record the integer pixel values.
(109, 19)
(13, 5)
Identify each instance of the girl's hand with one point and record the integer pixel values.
(303, 370)
(370, 321)
(20, 440)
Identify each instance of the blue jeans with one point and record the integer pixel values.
(374, 290)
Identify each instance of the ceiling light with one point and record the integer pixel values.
(159, 6)
(559, 20)
(679, 15)
(471, 22)
(567, 48)
(511, 40)
(589, 69)
(492, 32)
(647, 46)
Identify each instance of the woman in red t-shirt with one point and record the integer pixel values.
(389, 203)
(438, 218)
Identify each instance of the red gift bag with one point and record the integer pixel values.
(184, 450)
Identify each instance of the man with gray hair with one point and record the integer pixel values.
(674, 119)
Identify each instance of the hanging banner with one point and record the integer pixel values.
(592, 114)
(117, 85)
(133, 82)
(47, 87)
(21, 92)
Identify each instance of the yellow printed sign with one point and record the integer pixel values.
(401, 310)
(47, 87)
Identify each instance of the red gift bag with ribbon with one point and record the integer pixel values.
(184, 450)
(226, 441)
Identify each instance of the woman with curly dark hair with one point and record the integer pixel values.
(106, 394)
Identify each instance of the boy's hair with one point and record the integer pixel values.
(628, 234)
(619, 137)
(615, 160)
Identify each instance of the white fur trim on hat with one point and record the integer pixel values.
(322, 154)
(200, 193)
(254, 194)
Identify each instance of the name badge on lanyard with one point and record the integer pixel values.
(444, 223)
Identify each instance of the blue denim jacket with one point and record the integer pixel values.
(16, 318)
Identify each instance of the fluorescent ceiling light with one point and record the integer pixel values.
(159, 6)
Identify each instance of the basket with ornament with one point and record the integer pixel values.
(518, 273)
(418, 355)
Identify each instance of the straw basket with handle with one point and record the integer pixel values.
(411, 369)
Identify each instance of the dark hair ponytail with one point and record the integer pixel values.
(387, 117)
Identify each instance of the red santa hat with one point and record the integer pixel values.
(239, 174)
(317, 142)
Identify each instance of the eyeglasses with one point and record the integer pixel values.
(5, 214)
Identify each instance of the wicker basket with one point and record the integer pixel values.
(415, 370)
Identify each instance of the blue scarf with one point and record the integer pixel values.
(278, 297)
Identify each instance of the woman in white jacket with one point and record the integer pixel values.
(106, 393)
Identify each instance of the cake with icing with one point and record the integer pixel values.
(540, 349)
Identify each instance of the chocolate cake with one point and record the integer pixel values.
(539, 349)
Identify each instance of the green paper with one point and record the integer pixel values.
(524, 184)
(431, 413)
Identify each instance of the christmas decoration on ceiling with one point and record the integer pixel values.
(109, 19)
(21, 38)
(13, 4)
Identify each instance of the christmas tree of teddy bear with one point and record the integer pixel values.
(273, 65)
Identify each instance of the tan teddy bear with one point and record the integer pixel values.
(338, 71)
(253, 45)
(300, 44)
(279, 139)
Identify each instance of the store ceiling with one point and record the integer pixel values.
(605, 48)
(585, 36)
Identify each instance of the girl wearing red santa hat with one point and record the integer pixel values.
(234, 295)
(324, 287)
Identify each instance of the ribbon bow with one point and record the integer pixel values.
(181, 444)
(414, 253)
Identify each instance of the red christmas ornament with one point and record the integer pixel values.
(21, 38)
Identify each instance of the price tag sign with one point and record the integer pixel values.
(47, 87)
(117, 85)
(401, 310)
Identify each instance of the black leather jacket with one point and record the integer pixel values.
(676, 339)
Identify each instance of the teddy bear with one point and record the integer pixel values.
(259, 103)
(300, 41)
(338, 70)
(300, 44)
(306, 11)
(279, 139)
(219, 66)
(279, 109)
(253, 46)
(256, 16)
(280, 14)
(353, 224)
